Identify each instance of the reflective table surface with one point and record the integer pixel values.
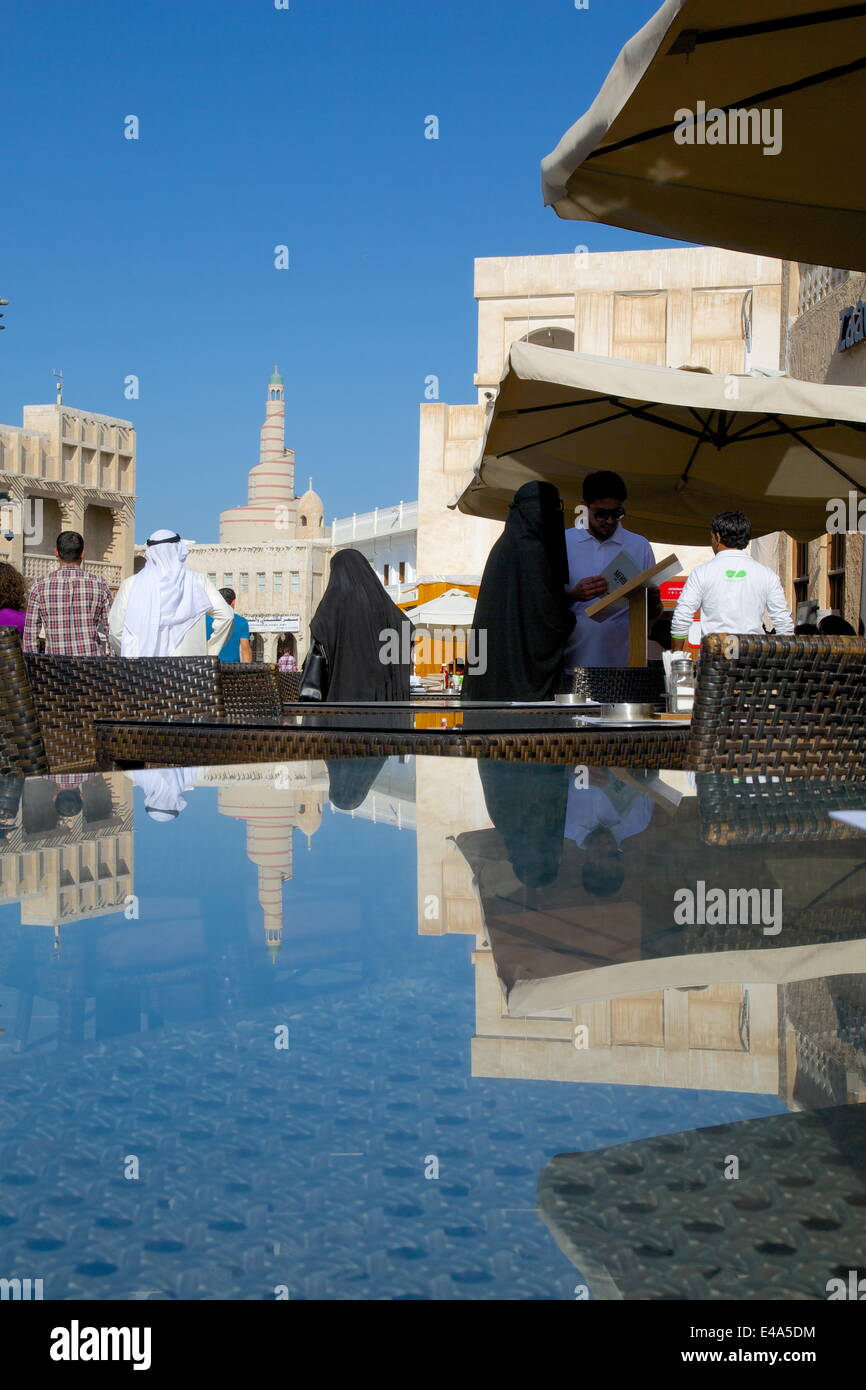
(425, 1028)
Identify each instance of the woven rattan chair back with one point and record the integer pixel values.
(787, 706)
(614, 685)
(22, 750)
(290, 686)
(251, 690)
(71, 692)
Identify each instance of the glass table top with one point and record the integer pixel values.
(478, 717)
(408, 1028)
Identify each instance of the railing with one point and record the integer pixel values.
(816, 282)
(35, 566)
(384, 521)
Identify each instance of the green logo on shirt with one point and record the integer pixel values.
(735, 574)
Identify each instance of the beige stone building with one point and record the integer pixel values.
(274, 551)
(68, 470)
(817, 301)
(696, 306)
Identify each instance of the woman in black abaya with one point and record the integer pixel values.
(522, 617)
(366, 639)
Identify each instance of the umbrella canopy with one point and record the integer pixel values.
(688, 444)
(626, 161)
(455, 608)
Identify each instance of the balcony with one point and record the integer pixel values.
(367, 526)
(816, 282)
(35, 566)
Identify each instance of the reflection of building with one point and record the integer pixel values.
(72, 868)
(273, 802)
(804, 1041)
(391, 797)
(449, 801)
(274, 551)
(696, 306)
(81, 468)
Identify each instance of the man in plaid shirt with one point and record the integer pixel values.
(70, 604)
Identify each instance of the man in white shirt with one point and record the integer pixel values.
(592, 545)
(732, 590)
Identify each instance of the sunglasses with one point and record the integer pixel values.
(608, 513)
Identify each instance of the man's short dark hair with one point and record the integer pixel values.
(603, 484)
(835, 626)
(229, 595)
(733, 529)
(70, 545)
(68, 803)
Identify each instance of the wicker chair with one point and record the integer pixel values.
(790, 706)
(613, 685)
(290, 686)
(251, 690)
(71, 692)
(22, 751)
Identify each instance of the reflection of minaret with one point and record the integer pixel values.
(271, 815)
(271, 502)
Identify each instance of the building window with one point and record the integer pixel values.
(386, 575)
(212, 578)
(244, 581)
(402, 571)
(260, 583)
(801, 572)
(303, 521)
(228, 581)
(295, 581)
(836, 572)
(278, 583)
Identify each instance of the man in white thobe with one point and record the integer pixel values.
(161, 610)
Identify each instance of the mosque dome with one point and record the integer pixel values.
(310, 514)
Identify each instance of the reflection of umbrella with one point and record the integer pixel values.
(626, 162)
(688, 444)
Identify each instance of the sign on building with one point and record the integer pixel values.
(279, 622)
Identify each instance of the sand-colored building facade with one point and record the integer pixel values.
(67, 469)
(694, 306)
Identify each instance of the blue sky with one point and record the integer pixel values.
(261, 127)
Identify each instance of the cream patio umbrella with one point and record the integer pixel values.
(454, 608)
(688, 444)
(798, 65)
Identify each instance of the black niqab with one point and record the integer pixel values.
(527, 803)
(351, 781)
(367, 640)
(522, 605)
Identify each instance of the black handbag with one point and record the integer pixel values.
(315, 675)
